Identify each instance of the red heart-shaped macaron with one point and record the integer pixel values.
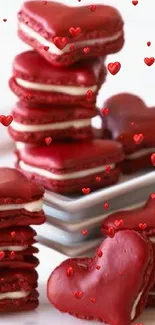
(107, 286)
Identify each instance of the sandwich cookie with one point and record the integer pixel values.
(35, 80)
(141, 219)
(63, 34)
(16, 250)
(132, 123)
(121, 271)
(70, 167)
(20, 200)
(33, 123)
(18, 290)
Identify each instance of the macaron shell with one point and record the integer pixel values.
(20, 218)
(134, 165)
(17, 236)
(31, 302)
(26, 191)
(20, 260)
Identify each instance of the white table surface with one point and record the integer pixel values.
(46, 314)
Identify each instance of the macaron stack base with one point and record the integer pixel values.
(20, 207)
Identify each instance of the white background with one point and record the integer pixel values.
(134, 77)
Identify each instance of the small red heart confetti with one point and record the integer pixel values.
(27, 96)
(46, 48)
(138, 138)
(111, 232)
(135, 2)
(118, 223)
(89, 95)
(114, 67)
(93, 300)
(84, 232)
(107, 169)
(26, 22)
(98, 267)
(70, 272)
(4, 20)
(44, 2)
(142, 226)
(105, 111)
(153, 196)
(12, 255)
(75, 31)
(2, 255)
(78, 294)
(86, 50)
(48, 140)
(6, 120)
(86, 190)
(99, 253)
(148, 43)
(153, 159)
(132, 123)
(92, 8)
(98, 179)
(149, 61)
(72, 47)
(60, 42)
(13, 234)
(106, 206)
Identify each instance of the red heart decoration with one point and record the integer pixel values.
(105, 111)
(86, 50)
(4, 20)
(86, 190)
(111, 232)
(127, 254)
(138, 138)
(84, 232)
(135, 2)
(92, 8)
(149, 61)
(89, 95)
(106, 205)
(148, 43)
(114, 67)
(6, 120)
(46, 48)
(72, 47)
(142, 226)
(98, 179)
(2, 255)
(48, 140)
(153, 159)
(118, 223)
(60, 42)
(75, 31)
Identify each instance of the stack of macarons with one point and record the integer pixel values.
(20, 207)
(57, 84)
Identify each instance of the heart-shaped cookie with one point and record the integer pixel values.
(131, 122)
(141, 219)
(111, 287)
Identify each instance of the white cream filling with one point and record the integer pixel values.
(13, 248)
(52, 47)
(78, 174)
(141, 153)
(30, 207)
(69, 90)
(152, 239)
(133, 312)
(77, 124)
(14, 295)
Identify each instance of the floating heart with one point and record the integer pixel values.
(86, 50)
(92, 8)
(106, 205)
(142, 226)
(89, 95)
(128, 253)
(84, 232)
(46, 48)
(72, 47)
(4, 20)
(114, 67)
(98, 179)
(149, 61)
(138, 138)
(118, 223)
(75, 31)
(105, 111)
(86, 190)
(135, 2)
(2, 255)
(6, 120)
(48, 140)
(148, 43)
(60, 42)
(153, 159)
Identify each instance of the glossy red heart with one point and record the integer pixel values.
(138, 138)
(135, 2)
(75, 31)
(92, 8)
(6, 120)
(86, 190)
(113, 295)
(114, 67)
(142, 226)
(60, 42)
(48, 140)
(2, 255)
(86, 50)
(46, 48)
(149, 61)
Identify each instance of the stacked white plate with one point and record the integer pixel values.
(67, 217)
